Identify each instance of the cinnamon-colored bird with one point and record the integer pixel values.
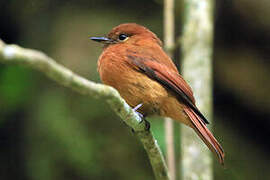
(134, 63)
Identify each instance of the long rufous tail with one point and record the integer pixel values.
(200, 128)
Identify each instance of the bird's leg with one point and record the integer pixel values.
(135, 110)
(147, 124)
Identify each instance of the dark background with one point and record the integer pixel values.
(50, 132)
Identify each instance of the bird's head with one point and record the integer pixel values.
(129, 33)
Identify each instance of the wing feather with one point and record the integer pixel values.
(169, 79)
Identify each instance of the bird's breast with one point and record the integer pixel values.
(134, 86)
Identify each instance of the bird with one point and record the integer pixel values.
(134, 63)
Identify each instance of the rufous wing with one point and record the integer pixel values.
(172, 80)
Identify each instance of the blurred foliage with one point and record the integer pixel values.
(49, 132)
(15, 87)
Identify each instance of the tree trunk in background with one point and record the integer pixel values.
(196, 44)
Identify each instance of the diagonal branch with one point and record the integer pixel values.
(13, 54)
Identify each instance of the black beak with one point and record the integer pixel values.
(104, 40)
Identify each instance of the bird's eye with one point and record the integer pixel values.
(122, 37)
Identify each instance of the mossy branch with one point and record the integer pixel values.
(13, 54)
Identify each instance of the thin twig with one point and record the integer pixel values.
(169, 44)
(13, 54)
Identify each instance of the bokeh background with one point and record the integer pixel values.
(50, 132)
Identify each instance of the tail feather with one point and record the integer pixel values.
(200, 128)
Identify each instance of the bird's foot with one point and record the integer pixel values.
(147, 124)
(135, 110)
